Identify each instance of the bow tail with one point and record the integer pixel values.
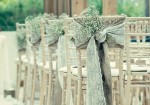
(61, 62)
(107, 82)
(95, 92)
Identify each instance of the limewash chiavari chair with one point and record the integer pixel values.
(34, 41)
(109, 21)
(51, 30)
(66, 72)
(69, 58)
(137, 48)
(68, 79)
(79, 74)
(49, 68)
(21, 38)
(39, 53)
(28, 62)
(69, 72)
(43, 63)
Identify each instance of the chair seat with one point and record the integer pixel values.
(134, 67)
(137, 68)
(64, 69)
(26, 61)
(46, 66)
(22, 58)
(84, 72)
(114, 72)
(73, 68)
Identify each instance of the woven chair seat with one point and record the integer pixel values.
(26, 61)
(46, 66)
(22, 57)
(114, 72)
(137, 68)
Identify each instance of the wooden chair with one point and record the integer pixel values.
(137, 48)
(32, 61)
(74, 77)
(49, 67)
(28, 62)
(79, 75)
(21, 35)
(66, 71)
(69, 72)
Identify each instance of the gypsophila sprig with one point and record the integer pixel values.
(21, 38)
(35, 22)
(54, 28)
(89, 19)
(87, 24)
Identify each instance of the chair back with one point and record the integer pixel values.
(137, 38)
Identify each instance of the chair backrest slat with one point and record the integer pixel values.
(137, 32)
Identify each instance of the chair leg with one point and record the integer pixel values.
(142, 98)
(64, 91)
(46, 89)
(118, 98)
(28, 85)
(53, 93)
(33, 86)
(25, 83)
(144, 102)
(85, 98)
(128, 90)
(114, 99)
(75, 93)
(41, 77)
(18, 81)
(82, 101)
(16, 91)
(147, 96)
(50, 80)
(146, 91)
(133, 91)
(79, 92)
(137, 96)
(42, 89)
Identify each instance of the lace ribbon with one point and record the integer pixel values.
(98, 67)
(55, 33)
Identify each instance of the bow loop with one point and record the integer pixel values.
(113, 32)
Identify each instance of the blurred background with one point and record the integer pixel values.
(12, 11)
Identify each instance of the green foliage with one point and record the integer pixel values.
(128, 7)
(97, 4)
(131, 7)
(12, 11)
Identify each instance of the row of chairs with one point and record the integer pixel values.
(59, 84)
